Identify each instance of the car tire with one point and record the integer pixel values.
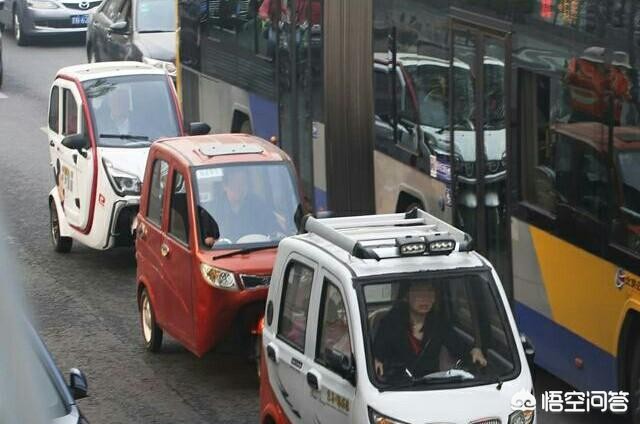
(634, 384)
(60, 244)
(151, 332)
(19, 35)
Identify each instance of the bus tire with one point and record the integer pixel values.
(634, 383)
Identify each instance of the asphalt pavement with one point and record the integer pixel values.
(84, 303)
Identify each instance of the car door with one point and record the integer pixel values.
(330, 390)
(177, 259)
(150, 237)
(75, 180)
(287, 351)
(120, 43)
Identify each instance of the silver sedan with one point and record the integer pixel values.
(32, 18)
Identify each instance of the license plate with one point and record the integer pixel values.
(79, 19)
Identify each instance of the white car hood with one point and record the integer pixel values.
(450, 406)
(465, 142)
(131, 160)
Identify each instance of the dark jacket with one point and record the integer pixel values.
(392, 346)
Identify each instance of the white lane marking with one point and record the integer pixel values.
(3, 96)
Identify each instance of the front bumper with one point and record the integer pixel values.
(120, 225)
(54, 21)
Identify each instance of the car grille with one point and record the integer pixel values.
(79, 6)
(487, 421)
(252, 281)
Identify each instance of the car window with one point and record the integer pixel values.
(70, 124)
(179, 214)
(111, 9)
(121, 107)
(156, 194)
(296, 292)
(155, 16)
(333, 331)
(54, 108)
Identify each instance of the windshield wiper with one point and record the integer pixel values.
(243, 251)
(125, 137)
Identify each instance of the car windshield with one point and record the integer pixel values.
(628, 162)
(430, 84)
(246, 205)
(131, 111)
(426, 332)
(156, 16)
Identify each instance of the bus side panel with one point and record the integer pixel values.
(393, 177)
(568, 304)
(264, 117)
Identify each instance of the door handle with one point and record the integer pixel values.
(164, 250)
(75, 158)
(312, 380)
(271, 353)
(51, 143)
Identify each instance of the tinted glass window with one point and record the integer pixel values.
(54, 107)
(121, 107)
(70, 121)
(593, 183)
(156, 193)
(296, 292)
(179, 219)
(156, 16)
(334, 326)
(249, 204)
(454, 324)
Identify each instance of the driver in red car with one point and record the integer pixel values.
(239, 212)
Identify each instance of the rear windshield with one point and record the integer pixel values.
(131, 111)
(435, 331)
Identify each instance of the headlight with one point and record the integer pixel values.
(218, 278)
(377, 418)
(169, 67)
(123, 183)
(42, 4)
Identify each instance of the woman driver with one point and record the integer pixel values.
(412, 334)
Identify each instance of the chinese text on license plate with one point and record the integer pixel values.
(79, 19)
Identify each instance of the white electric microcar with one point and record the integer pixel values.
(102, 119)
(390, 319)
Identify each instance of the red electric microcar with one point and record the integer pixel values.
(212, 213)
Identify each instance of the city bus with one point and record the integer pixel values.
(516, 120)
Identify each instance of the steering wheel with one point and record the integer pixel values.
(253, 238)
(223, 241)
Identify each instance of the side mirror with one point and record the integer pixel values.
(199, 128)
(529, 351)
(75, 142)
(78, 384)
(341, 364)
(120, 27)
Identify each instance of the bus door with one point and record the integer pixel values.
(478, 125)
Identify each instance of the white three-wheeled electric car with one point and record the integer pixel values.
(102, 119)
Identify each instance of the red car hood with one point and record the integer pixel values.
(252, 263)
